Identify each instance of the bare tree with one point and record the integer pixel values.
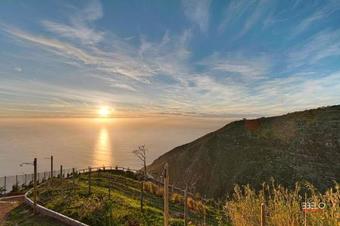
(141, 155)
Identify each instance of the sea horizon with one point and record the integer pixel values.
(83, 142)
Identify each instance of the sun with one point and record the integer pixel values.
(104, 111)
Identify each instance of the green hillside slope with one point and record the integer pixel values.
(289, 148)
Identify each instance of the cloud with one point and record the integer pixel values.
(36, 97)
(52, 44)
(124, 86)
(262, 9)
(80, 25)
(197, 12)
(246, 67)
(296, 92)
(85, 34)
(234, 12)
(118, 62)
(167, 57)
(323, 44)
(143, 74)
(18, 69)
(246, 14)
(319, 12)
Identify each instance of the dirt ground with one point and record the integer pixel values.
(7, 204)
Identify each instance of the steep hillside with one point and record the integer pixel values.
(292, 147)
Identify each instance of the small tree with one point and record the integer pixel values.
(141, 155)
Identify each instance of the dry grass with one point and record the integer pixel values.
(283, 206)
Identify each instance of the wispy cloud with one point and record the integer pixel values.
(124, 86)
(262, 9)
(165, 57)
(319, 46)
(234, 12)
(246, 67)
(115, 63)
(51, 44)
(246, 14)
(198, 12)
(319, 12)
(80, 24)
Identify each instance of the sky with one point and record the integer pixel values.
(229, 59)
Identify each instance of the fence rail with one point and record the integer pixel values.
(12, 183)
(15, 183)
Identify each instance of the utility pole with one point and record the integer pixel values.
(35, 186)
(166, 194)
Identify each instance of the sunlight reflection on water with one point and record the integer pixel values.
(102, 150)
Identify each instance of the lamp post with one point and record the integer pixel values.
(34, 182)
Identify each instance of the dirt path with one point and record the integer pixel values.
(9, 203)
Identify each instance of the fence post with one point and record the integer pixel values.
(204, 213)
(305, 223)
(5, 184)
(263, 215)
(51, 166)
(110, 191)
(166, 194)
(61, 172)
(25, 179)
(142, 195)
(186, 205)
(90, 180)
(16, 181)
(35, 186)
(74, 177)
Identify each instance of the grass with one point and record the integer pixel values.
(23, 216)
(121, 204)
(283, 206)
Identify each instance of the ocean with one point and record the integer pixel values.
(81, 142)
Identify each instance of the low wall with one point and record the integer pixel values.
(55, 215)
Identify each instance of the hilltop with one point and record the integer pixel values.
(293, 147)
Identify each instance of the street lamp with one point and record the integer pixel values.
(34, 182)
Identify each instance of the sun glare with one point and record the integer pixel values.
(104, 111)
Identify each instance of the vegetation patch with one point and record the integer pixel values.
(115, 200)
